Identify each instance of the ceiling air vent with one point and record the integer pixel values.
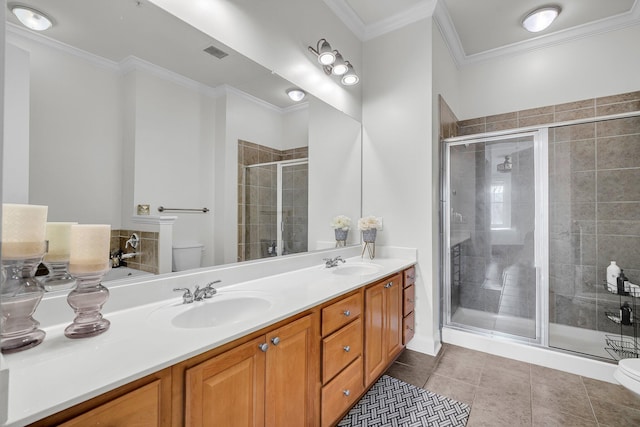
(212, 50)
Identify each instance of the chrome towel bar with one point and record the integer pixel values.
(163, 209)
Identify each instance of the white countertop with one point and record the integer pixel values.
(62, 372)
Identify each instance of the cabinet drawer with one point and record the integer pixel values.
(409, 299)
(409, 276)
(408, 326)
(341, 348)
(342, 392)
(340, 313)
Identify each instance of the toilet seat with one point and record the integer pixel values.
(628, 374)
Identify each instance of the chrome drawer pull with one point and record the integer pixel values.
(411, 277)
(347, 348)
(275, 340)
(346, 392)
(388, 285)
(410, 300)
(410, 328)
(264, 346)
(346, 313)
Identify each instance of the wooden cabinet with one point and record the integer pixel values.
(342, 370)
(383, 326)
(144, 402)
(408, 305)
(268, 381)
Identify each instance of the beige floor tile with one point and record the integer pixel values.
(611, 393)
(609, 413)
(460, 367)
(513, 382)
(560, 397)
(500, 408)
(513, 367)
(453, 389)
(416, 376)
(415, 358)
(542, 375)
(544, 417)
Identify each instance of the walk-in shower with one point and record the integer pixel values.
(532, 217)
(274, 209)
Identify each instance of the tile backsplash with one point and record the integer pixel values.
(147, 248)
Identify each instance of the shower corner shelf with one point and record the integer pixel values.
(623, 346)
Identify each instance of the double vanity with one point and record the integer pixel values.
(281, 340)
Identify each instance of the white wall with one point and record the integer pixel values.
(15, 165)
(74, 137)
(334, 172)
(296, 127)
(601, 65)
(276, 34)
(398, 181)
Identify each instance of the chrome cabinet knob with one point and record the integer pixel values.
(264, 346)
(388, 285)
(346, 392)
(275, 340)
(347, 313)
(347, 348)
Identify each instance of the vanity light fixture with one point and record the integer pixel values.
(540, 19)
(31, 18)
(296, 95)
(333, 63)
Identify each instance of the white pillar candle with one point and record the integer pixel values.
(59, 237)
(23, 230)
(89, 248)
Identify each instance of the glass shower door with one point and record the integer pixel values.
(294, 212)
(491, 248)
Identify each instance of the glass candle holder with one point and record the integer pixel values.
(58, 277)
(87, 300)
(20, 294)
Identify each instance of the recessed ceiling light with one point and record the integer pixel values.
(296, 94)
(31, 18)
(540, 19)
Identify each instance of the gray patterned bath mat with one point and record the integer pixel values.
(394, 403)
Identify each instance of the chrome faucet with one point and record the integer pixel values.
(333, 262)
(199, 293)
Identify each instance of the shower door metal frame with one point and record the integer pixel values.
(541, 224)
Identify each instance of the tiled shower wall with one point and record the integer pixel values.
(257, 198)
(594, 180)
(148, 249)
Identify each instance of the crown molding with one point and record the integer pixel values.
(416, 13)
(16, 33)
(363, 32)
(447, 29)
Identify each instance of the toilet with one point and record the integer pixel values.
(187, 256)
(628, 374)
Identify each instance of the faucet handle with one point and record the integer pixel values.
(209, 290)
(187, 296)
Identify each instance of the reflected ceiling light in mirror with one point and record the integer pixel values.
(31, 18)
(540, 19)
(296, 95)
(333, 63)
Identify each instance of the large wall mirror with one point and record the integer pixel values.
(121, 104)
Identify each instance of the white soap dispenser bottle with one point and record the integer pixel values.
(613, 272)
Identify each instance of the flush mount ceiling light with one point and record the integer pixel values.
(333, 63)
(296, 94)
(540, 19)
(31, 18)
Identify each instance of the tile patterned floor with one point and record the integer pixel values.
(505, 392)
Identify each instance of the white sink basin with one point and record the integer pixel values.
(221, 310)
(359, 269)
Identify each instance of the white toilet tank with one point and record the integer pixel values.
(187, 255)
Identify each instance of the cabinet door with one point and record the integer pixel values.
(393, 318)
(228, 390)
(292, 366)
(383, 326)
(140, 407)
(375, 354)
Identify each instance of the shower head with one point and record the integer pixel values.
(506, 166)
